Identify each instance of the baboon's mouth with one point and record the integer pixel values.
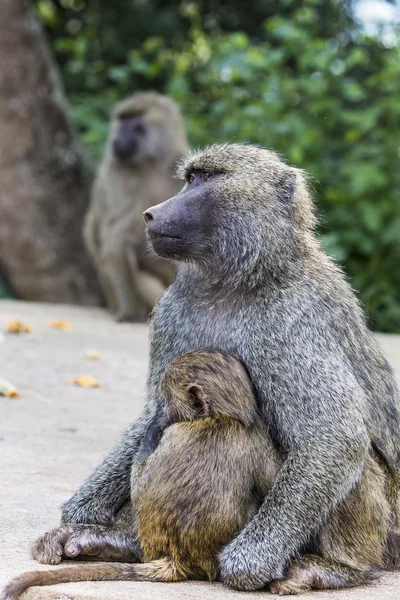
(163, 236)
(166, 244)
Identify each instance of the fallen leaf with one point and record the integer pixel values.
(17, 326)
(92, 354)
(64, 325)
(7, 389)
(86, 381)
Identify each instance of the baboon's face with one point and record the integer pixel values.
(182, 227)
(129, 136)
(137, 136)
(235, 212)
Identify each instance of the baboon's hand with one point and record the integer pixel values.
(49, 549)
(68, 541)
(247, 564)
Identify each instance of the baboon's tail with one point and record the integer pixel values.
(163, 569)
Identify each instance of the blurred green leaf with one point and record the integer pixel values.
(299, 77)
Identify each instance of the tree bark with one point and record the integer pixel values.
(45, 176)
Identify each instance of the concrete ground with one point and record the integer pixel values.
(53, 436)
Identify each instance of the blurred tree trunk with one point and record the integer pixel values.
(44, 174)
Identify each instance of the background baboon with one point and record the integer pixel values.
(255, 283)
(207, 478)
(146, 140)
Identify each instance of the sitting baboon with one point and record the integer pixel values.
(206, 480)
(146, 139)
(254, 282)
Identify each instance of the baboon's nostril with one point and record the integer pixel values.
(147, 216)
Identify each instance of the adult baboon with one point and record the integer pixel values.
(146, 140)
(253, 282)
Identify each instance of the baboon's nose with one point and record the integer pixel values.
(147, 216)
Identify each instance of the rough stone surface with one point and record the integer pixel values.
(53, 436)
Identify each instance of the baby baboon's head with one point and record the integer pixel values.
(208, 383)
(242, 208)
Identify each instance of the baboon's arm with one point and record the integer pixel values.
(102, 495)
(95, 211)
(328, 442)
(116, 542)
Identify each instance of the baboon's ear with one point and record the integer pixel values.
(198, 400)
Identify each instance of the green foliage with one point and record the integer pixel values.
(299, 77)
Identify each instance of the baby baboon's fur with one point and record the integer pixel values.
(146, 140)
(200, 487)
(253, 282)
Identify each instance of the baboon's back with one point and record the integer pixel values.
(195, 493)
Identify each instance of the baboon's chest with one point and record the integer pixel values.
(190, 324)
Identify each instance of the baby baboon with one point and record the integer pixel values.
(253, 282)
(204, 482)
(146, 140)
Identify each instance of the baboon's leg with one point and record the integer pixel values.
(117, 542)
(356, 534)
(147, 286)
(392, 550)
(119, 269)
(150, 288)
(392, 553)
(312, 572)
(350, 547)
(108, 291)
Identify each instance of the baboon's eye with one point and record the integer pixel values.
(190, 178)
(206, 175)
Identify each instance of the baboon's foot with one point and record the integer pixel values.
(314, 572)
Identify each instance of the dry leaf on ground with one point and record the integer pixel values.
(7, 389)
(86, 381)
(92, 354)
(64, 325)
(17, 326)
